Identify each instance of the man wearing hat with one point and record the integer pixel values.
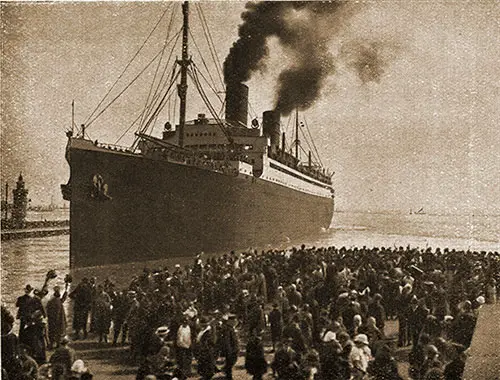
(276, 322)
(205, 350)
(56, 317)
(228, 344)
(82, 302)
(62, 359)
(25, 308)
(35, 336)
(183, 348)
(360, 356)
(285, 363)
(79, 371)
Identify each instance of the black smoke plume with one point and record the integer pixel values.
(306, 39)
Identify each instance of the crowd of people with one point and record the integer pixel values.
(322, 311)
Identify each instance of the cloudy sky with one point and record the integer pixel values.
(409, 117)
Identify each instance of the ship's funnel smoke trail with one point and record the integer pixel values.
(304, 29)
(368, 59)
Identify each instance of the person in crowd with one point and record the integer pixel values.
(455, 368)
(370, 329)
(183, 348)
(384, 366)
(35, 337)
(464, 324)
(205, 349)
(82, 303)
(10, 344)
(121, 305)
(79, 371)
(276, 324)
(56, 317)
(332, 365)
(377, 311)
(431, 361)
(357, 322)
(359, 357)
(417, 318)
(102, 314)
(346, 343)
(286, 361)
(228, 344)
(62, 359)
(25, 307)
(403, 313)
(29, 366)
(158, 364)
(255, 361)
(310, 365)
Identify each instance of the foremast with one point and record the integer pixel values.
(183, 63)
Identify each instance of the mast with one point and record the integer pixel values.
(297, 133)
(183, 62)
(6, 200)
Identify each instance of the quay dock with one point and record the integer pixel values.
(483, 361)
(34, 232)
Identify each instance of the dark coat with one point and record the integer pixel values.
(56, 319)
(285, 363)
(34, 337)
(276, 322)
(228, 343)
(25, 307)
(293, 331)
(82, 297)
(377, 311)
(63, 357)
(255, 361)
(333, 366)
(205, 355)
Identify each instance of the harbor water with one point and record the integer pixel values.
(28, 260)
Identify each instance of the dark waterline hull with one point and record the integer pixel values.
(156, 209)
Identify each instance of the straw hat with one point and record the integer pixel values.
(79, 366)
(361, 338)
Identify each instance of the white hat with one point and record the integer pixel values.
(361, 338)
(329, 336)
(78, 366)
(480, 300)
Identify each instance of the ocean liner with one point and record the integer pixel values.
(208, 184)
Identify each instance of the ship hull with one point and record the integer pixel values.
(154, 209)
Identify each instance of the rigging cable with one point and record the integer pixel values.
(197, 83)
(168, 84)
(202, 59)
(157, 91)
(125, 89)
(87, 123)
(128, 129)
(214, 90)
(312, 140)
(162, 103)
(211, 45)
(165, 44)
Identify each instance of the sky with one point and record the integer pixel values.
(408, 118)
